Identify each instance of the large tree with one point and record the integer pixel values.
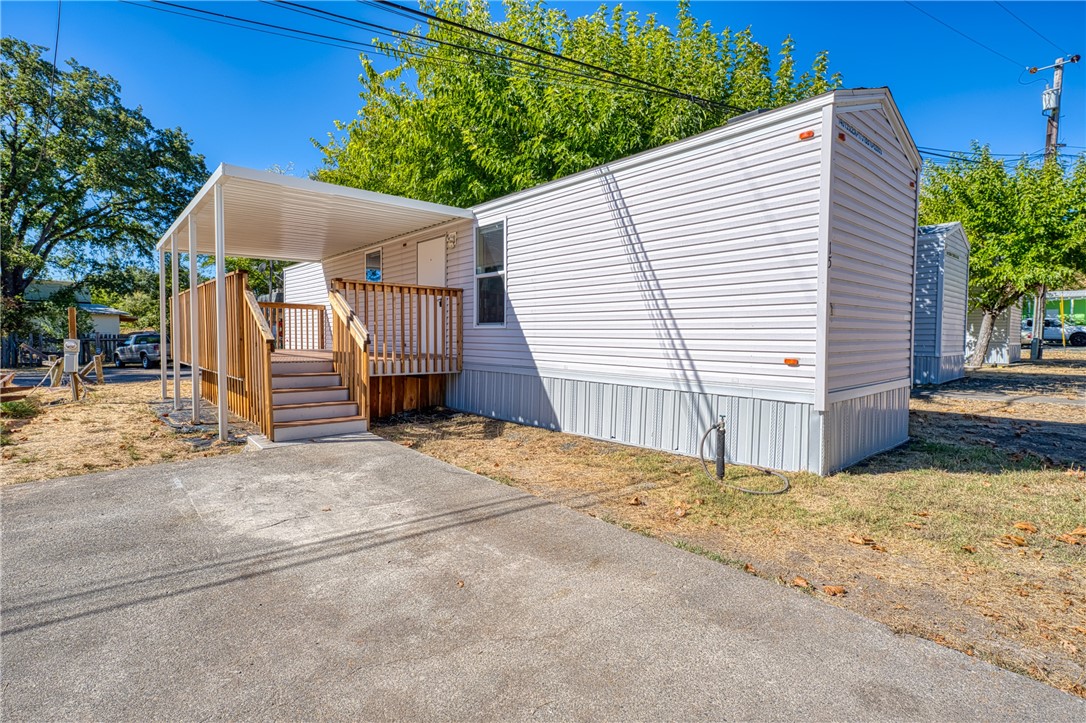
(462, 118)
(1026, 227)
(88, 183)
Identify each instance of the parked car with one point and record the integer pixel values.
(1027, 334)
(1056, 331)
(142, 349)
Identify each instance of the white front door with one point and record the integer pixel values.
(431, 272)
(431, 263)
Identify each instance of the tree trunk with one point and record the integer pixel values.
(984, 339)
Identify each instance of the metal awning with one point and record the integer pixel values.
(273, 216)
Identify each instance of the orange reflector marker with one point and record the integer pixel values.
(805, 135)
(791, 362)
(912, 184)
(840, 136)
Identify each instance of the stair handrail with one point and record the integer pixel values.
(260, 388)
(350, 351)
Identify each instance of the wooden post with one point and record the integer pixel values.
(72, 331)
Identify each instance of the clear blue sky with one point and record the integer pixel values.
(256, 100)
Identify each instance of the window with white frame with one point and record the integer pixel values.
(490, 274)
(373, 266)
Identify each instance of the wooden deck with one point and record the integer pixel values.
(388, 394)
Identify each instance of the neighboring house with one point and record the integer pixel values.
(942, 285)
(1006, 345)
(106, 319)
(763, 271)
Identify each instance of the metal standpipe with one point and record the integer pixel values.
(720, 438)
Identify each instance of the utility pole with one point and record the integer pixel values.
(1050, 104)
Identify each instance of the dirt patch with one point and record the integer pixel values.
(950, 538)
(116, 426)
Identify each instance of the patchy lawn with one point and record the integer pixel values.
(117, 425)
(972, 535)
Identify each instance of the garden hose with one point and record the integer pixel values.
(705, 467)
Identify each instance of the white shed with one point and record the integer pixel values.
(942, 289)
(1006, 344)
(763, 270)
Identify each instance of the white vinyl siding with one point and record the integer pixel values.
(1006, 344)
(871, 247)
(304, 284)
(695, 267)
(955, 295)
(929, 277)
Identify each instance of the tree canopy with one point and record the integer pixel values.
(89, 183)
(463, 118)
(1026, 228)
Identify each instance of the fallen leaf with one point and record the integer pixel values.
(800, 581)
(1015, 540)
(635, 500)
(1026, 527)
(1080, 531)
(877, 548)
(834, 590)
(969, 548)
(1080, 630)
(460, 583)
(326, 509)
(699, 501)
(750, 568)
(1070, 539)
(922, 513)
(914, 525)
(857, 540)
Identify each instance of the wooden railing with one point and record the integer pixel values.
(350, 351)
(249, 344)
(414, 329)
(295, 326)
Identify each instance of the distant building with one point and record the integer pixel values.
(106, 319)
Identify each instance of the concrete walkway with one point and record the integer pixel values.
(365, 581)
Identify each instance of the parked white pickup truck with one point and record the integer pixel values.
(1057, 332)
(142, 349)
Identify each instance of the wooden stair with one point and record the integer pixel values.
(309, 399)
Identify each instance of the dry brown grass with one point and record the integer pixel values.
(922, 538)
(114, 427)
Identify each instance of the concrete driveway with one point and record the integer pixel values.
(365, 581)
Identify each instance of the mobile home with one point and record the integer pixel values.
(942, 288)
(1006, 344)
(763, 271)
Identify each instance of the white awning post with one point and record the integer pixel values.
(220, 313)
(175, 332)
(162, 311)
(194, 325)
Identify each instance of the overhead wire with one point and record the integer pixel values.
(351, 21)
(52, 93)
(1033, 29)
(973, 40)
(291, 33)
(403, 11)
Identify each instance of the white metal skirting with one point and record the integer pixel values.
(778, 434)
(857, 428)
(938, 369)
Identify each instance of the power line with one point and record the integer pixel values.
(1035, 31)
(970, 39)
(558, 56)
(350, 21)
(354, 45)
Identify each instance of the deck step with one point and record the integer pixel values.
(313, 410)
(309, 429)
(308, 395)
(298, 380)
(293, 367)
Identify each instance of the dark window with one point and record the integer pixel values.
(490, 274)
(373, 266)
